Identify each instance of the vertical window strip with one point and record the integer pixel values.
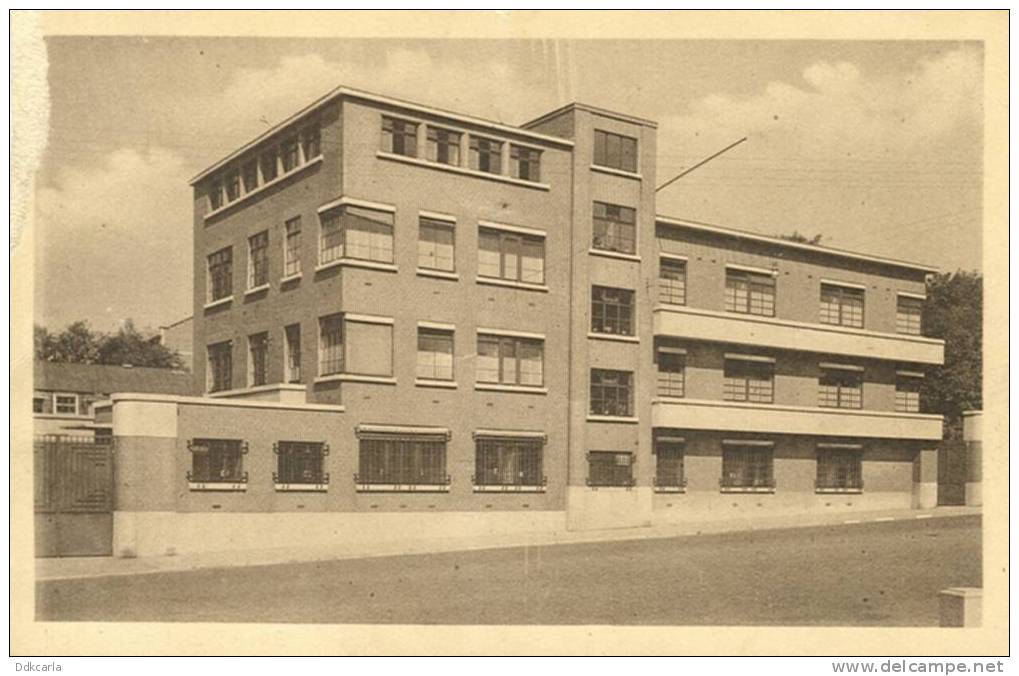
(292, 335)
(258, 355)
(258, 260)
(330, 345)
(292, 248)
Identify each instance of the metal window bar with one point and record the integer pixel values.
(669, 472)
(300, 462)
(839, 469)
(610, 468)
(217, 460)
(403, 460)
(72, 473)
(747, 467)
(508, 462)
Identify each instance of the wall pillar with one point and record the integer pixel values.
(925, 478)
(961, 606)
(972, 434)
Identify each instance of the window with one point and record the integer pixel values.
(311, 141)
(369, 348)
(907, 392)
(258, 260)
(611, 393)
(749, 292)
(249, 175)
(435, 354)
(217, 460)
(510, 361)
(508, 461)
(671, 281)
(671, 362)
(435, 244)
(38, 404)
(443, 146)
(402, 460)
(330, 345)
(356, 232)
(747, 466)
(486, 155)
(615, 228)
(611, 311)
(300, 462)
(269, 167)
(215, 195)
(292, 334)
(233, 186)
(841, 305)
(289, 154)
(509, 255)
(399, 137)
(66, 404)
(839, 468)
(909, 315)
(221, 274)
(525, 163)
(292, 248)
(609, 468)
(840, 388)
(258, 359)
(220, 366)
(669, 473)
(615, 151)
(748, 380)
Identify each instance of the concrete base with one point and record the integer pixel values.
(925, 495)
(169, 533)
(597, 508)
(706, 506)
(974, 494)
(961, 606)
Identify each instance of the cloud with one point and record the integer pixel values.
(114, 241)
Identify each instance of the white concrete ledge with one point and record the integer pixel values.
(616, 172)
(219, 301)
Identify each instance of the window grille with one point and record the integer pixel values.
(300, 462)
(747, 467)
(217, 460)
(669, 473)
(610, 468)
(508, 461)
(405, 460)
(839, 469)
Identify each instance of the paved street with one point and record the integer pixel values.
(863, 574)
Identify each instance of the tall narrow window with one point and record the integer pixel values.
(300, 462)
(215, 195)
(842, 305)
(356, 232)
(435, 244)
(311, 140)
(330, 345)
(220, 366)
(840, 387)
(444, 146)
(748, 466)
(671, 281)
(671, 361)
(292, 334)
(249, 174)
(615, 151)
(909, 315)
(217, 461)
(269, 167)
(525, 163)
(510, 255)
(486, 155)
(907, 391)
(749, 292)
(615, 228)
(435, 354)
(611, 393)
(402, 462)
(289, 154)
(258, 260)
(839, 468)
(669, 474)
(221, 274)
(508, 461)
(749, 379)
(510, 361)
(399, 137)
(233, 185)
(258, 359)
(610, 468)
(292, 248)
(611, 311)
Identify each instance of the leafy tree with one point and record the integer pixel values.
(796, 236)
(954, 313)
(78, 344)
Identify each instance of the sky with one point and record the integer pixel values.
(876, 146)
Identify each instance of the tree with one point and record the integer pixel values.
(796, 236)
(954, 313)
(76, 343)
(128, 346)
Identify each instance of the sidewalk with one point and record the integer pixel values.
(86, 567)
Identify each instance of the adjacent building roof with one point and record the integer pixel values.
(105, 379)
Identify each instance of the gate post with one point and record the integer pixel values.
(925, 478)
(972, 435)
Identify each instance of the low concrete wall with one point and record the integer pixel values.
(702, 506)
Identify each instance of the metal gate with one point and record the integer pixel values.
(952, 472)
(73, 496)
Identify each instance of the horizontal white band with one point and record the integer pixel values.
(840, 367)
(907, 294)
(670, 439)
(510, 334)
(522, 434)
(402, 429)
(749, 357)
(911, 374)
(367, 319)
(438, 326)
(667, 349)
(438, 216)
(673, 256)
(848, 447)
(750, 268)
(848, 285)
(747, 442)
(354, 202)
(511, 228)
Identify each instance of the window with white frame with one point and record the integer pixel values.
(840, 386)
(909, 315)
(357, 232)
(436, 244)
(510, 360)
(292, 336)
(748, 378)
(292, 247)
(435, 353)
(485, 155)
(525, 163)
(65, 404)
(330, 345)
(221, 274)
(258, 260)
(258, 359)
(399, 137)
(512, 256)
(615, 228)
(611, 393)
(443, 146)
(907, 391)
(749, 292)
(615, 151)
(220, 356)
(842, 305)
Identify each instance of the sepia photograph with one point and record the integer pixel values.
(509, 325)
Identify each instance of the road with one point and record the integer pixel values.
(865, 574)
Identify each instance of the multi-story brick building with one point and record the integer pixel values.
(488, 318)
